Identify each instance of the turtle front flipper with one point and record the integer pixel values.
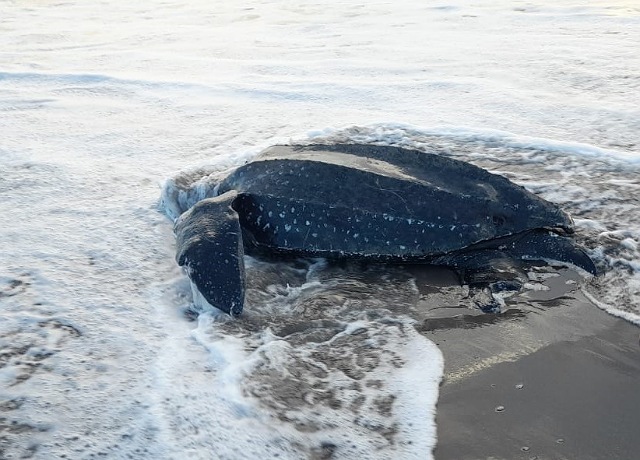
(209, 245)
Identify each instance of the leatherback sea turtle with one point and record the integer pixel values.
(379, 203)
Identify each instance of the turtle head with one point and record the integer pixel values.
(512, 209)
(543, 215)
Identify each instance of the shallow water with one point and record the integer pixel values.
(100, 102)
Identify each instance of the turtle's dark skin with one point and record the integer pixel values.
(380, 203)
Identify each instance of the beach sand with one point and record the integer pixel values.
(553, 377)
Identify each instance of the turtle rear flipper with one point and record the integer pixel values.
(209, 244)
(497, 266)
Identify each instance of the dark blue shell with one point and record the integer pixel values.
(378, 201)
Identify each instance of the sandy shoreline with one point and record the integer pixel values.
(552, 378)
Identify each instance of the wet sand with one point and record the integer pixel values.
(553, 377)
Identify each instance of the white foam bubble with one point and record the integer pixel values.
(412, 136)
(632, 317)
(298, 402)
